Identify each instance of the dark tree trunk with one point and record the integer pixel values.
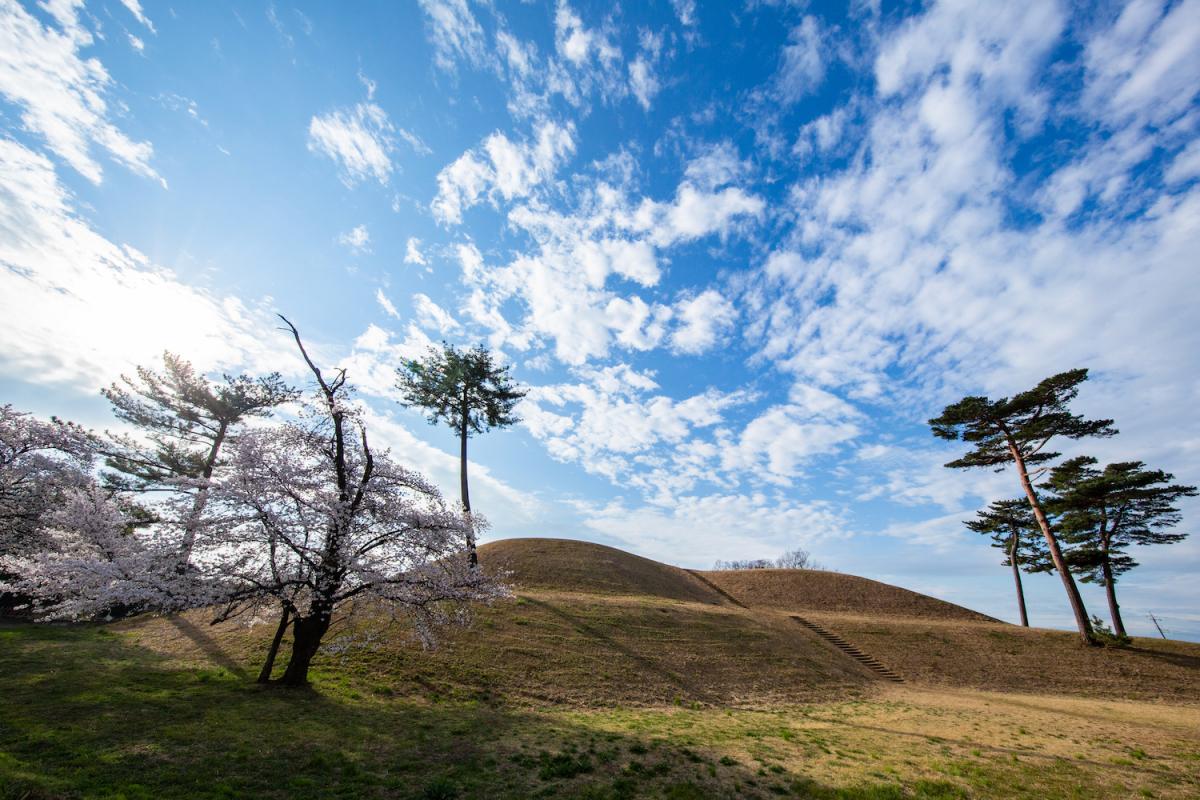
(269, 665)
(472, 556)
(307, 633)
(1114, 609)
(1012, 558)
(1076, 600)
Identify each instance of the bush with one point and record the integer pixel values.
(1104, 635)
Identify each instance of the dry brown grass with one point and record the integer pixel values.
(593, 626)
(1012, 658)
(567, 565)
(803, 590)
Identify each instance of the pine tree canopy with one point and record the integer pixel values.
(456, 386)
(1004, 519)
(1102, 512)
(1026, 421)
(182, 414)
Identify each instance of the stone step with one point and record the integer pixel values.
(851, 650)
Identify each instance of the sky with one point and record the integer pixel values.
(739, 253)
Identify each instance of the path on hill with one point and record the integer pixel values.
(858, 655)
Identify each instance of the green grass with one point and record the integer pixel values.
(86, 713)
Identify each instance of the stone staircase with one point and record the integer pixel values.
(866, 660)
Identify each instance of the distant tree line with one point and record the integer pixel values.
(792, 559)
(192, 506)
(1081, 519)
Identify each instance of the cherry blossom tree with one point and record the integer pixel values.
(306, 516)
(39, 462)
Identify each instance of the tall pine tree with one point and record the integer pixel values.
(469, 392)
(1016, 431)
(1102, 512)
(1014, 530)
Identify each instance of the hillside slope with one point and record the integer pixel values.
(594, 626)
(817, 590)
(569, 565)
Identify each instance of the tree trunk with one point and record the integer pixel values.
(1077, 607)
(269, 665)
(193, 521)
(472, 556)
(307, 633)
(1012, 559)
(1114, 609)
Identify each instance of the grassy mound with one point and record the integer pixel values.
(803, 590)
(567, 565)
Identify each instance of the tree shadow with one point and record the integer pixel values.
(1177, 659)
(608, 641)
(207, 644)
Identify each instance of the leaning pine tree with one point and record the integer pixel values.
(1101, 513)
(1012, 526)
(468, 391)
(1016, 431)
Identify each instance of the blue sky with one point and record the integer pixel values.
(739, 252)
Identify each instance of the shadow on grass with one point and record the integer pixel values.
(1178, 659)
(87, 714)
(612, 644)
(207, 644)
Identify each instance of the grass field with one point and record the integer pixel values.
(639, 683)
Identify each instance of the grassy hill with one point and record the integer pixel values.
(607, 676)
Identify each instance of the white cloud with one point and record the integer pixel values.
(502, 167)
(431, 316)
(802, 65)
(357, 240)
(412, 252)
(388, 307)
(695, 213)
(135, 8)
(716, 166)
(78, 309)
(576, 42)
(1186, 165)
(702, 319)
(686, 11)
(642, 80)
(779, 440)
(359, 139)
(136, 43)
(1145, 66)
(614, 424)
(459, 187)
(60, 93)
(454, 33)
(712, 526)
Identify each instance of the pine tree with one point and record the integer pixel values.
(469, 392)
(1016, 431)
(1014, 530)
(1101, 513)
(185, 419)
